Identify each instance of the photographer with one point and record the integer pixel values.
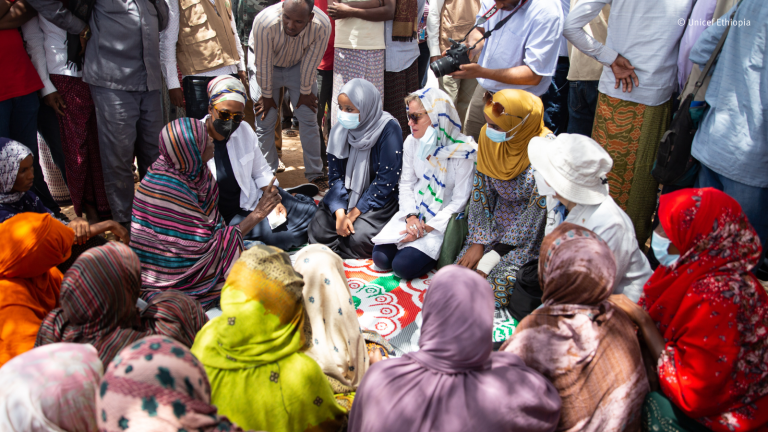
(522, 54)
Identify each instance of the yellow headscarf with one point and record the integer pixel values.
(505, 161)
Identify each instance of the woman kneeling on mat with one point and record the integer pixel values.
(365, 157)
(438, 165)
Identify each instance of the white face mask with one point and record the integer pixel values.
(542, 186)
(427, 143)
(349, 120)
(660, 246)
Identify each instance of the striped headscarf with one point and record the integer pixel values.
(176, 228)
(224, 88)
(451, 143)
(157, 385)
(51, 389)
(98, 305)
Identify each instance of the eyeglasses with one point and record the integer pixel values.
(415, 116)
(498, 109)
(226, 116)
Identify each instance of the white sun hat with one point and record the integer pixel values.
(574, 165)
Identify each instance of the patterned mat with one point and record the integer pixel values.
(392, 307)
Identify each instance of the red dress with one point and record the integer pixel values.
(712, 313)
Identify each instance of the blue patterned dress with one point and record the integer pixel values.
(511, 213)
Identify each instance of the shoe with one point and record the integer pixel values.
(307, 189)
(280, 166)
(321, 183)
(290, 133)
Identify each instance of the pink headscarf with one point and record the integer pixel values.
(455, 382)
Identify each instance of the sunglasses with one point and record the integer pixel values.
(415, 116)
(226, 116)
(498, 109)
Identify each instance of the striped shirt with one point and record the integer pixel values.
(269, 46)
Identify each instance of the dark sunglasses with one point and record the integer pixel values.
(415, 116)
(498, 109)
(226, 116)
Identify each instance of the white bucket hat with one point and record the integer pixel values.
(575, 166)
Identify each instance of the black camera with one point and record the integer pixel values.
(455, 56)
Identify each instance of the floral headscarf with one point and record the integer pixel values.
(11, 155)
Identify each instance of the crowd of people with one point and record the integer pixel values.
(527, 178)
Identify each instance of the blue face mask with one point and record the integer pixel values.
(349, 120)
(427, 143)
(494, 135)
(660, 246)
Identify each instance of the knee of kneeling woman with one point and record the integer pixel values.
(406, 270)
(380, 259)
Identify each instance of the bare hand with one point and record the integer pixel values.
(354, 214)
(263, 105)
(82, 230)
(344, 226)
(83, 41)
(374, 356)
(55, 101)
(177, 97)
(120, 232)
(309, 100)
(414, 227)
(280, 210)
(635, 312)
(268, 201)
(624, 73)
(339, 11)
(468, 71)
(243, 79)
(472, 257)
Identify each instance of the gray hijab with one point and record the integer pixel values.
(355, 144)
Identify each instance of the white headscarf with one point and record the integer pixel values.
(356, 144)
(11, 155)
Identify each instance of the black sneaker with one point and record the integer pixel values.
(321, 183)
(307, 189)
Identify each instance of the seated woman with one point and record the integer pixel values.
(177, 230)
(243, 174)
(16, 196)
(337, 344)
(578, 338)
(156, 384)
(506, 214)
(260, 378)
(33, 245)
(98, 306)
(704, 316)
(365, 156)
(51, 388)
(438, 166)
(454, 382)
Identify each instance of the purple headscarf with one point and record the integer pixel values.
(455, 382)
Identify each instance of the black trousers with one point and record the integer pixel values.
(355, 246)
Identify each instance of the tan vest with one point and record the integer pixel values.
(206, 40)
(457, 17)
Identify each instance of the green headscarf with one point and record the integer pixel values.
(259, 378)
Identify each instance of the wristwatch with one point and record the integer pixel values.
(86, 33)
(411, 214)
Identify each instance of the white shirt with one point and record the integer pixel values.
(531, 38)
(458, 187)
(610, 222)
(251, 169)
(170, 36)
(433, 27)
(566, 4)
(647, 33)
(47, 48)
(399, 56)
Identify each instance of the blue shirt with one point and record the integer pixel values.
(386, 163)
(732, 139)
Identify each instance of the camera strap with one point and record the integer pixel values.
(487, 15)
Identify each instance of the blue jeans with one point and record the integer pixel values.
(753, 200)
(18, 121)
(407, 263)
(555, 100)
(582, 103)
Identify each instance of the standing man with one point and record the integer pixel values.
(287, 43)
(201, 39)
(122, 68)
(325, 88)
(452, 19)
(555, 100)
(521, 55)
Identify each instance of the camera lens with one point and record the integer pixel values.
(443, 66)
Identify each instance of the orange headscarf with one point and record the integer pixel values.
(32, 245)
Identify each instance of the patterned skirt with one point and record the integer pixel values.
(349, 64)
(398, 85)
(630, 132)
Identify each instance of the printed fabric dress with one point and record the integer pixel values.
(507, 216)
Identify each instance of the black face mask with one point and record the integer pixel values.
(225, 128)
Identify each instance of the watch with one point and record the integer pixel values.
(411, 214)
(86, 34)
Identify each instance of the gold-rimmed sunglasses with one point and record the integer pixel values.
(226, 116)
